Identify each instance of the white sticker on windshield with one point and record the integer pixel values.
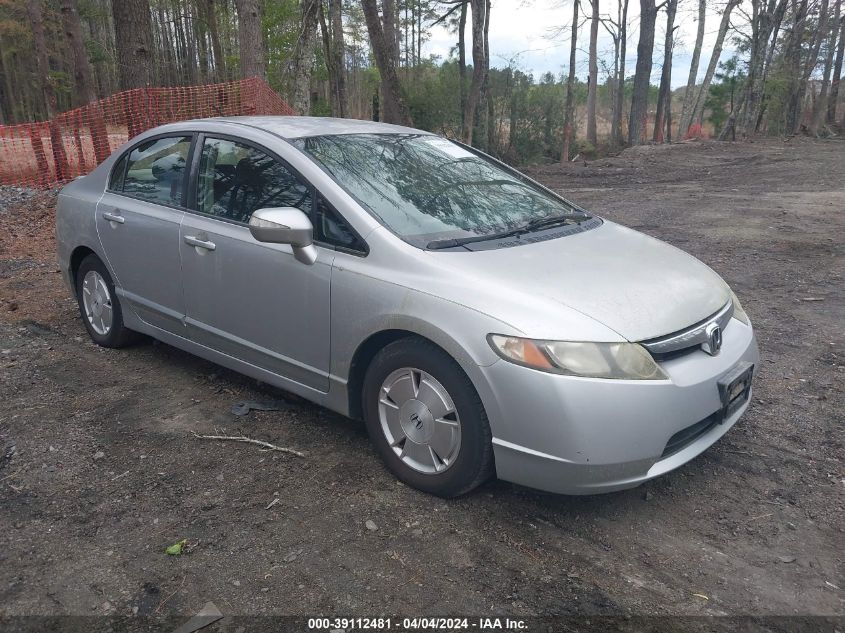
(448, 147)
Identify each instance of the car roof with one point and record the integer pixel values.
(301, 126)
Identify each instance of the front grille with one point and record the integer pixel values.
(689, 339)
(677, 353)
(687, 436)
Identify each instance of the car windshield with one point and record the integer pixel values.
(427, 188)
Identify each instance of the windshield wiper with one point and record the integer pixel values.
(555, 220)
(460, 241)
(533, 225)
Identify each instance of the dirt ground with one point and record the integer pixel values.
(99, 470)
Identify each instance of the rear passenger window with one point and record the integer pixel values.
(156, 170)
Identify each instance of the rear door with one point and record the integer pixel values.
(138, 221)
(247, 299)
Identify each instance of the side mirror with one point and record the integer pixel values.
(285, 225)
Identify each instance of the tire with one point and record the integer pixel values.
(408, 387)
(102, 316)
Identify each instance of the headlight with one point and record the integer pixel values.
(592, 360)
(739, 313)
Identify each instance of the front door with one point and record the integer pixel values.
(246, 299)
(138, 221)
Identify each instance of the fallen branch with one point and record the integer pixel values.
(14, 474)
(248, 440)
(175, 591)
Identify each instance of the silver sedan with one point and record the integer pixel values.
(476, 321)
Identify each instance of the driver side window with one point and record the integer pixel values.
(236, 179)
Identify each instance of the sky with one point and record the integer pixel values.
(528, 32)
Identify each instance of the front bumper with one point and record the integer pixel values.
(584, 436)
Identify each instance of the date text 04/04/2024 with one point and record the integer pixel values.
(417, 624)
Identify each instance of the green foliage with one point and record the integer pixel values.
(721, 99)
(535, 117)
(62, 83)
(434, 98)
(177, 548)
(527, 112)
(93, 10)
(778, 86)
(585, 149)
(97, 53)
(281, 30)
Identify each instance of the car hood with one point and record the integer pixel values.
(634, 284)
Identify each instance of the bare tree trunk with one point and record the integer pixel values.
(339, 55)
(410, 23)
(40, 154)
(697, 110)
(82, 75)
(391, 33)
(764, 16)
(84, 78)
(645, 49)
(689, 95)
(214, 34)
(480, 64)
(620, 83)
(329, 61)
(612, 85)
(767, 67)
(664, 95)
(302, 64)
(485, 99)
(800, 74)
(196, 47)
(837, 74)
(163, 43)
(7, 103)
(133, 39)
(811, 63)
(592, 85)
(207, 66)
(42, 63)
(251, 38)
(394, 107)
(492, 137)
(792, 56)
(462, 58)
(615, 102)
(329, 58)
(569, 106)
(820, 107)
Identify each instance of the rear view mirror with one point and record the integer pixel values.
(285, 225)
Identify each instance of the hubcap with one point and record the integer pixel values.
(97, 302)
(419, 420)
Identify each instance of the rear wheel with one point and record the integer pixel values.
(426, 419)
(99, 306)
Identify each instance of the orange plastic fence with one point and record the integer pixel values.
(50, 153)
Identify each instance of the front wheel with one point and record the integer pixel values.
(426, 419)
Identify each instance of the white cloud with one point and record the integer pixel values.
(523, 32)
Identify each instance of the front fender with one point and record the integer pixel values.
(363, 306)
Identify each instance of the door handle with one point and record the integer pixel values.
(194, 241)
(113, 217)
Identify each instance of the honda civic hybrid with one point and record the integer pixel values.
(477, 322)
